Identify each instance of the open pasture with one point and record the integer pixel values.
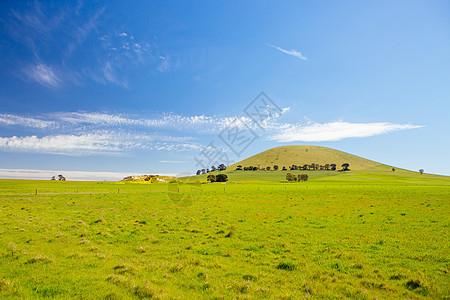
(325, 238)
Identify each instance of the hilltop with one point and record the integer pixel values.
(361, 170)
(286, 156)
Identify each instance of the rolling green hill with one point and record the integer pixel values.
(303, 154)
(363, 171)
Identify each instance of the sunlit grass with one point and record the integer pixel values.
(325, 238)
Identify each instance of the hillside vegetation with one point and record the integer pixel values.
(380, 174)
(286, 156)
(362, 171)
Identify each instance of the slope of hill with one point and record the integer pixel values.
(363, 171)
(303, 154)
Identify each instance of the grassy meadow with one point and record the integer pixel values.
(361, 235)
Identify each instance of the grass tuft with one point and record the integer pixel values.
(287, 265)
(123, 269)
(396, 277)
(5, 285)
(117, 279)
(231, 233)
(38, 258)
(250, 278)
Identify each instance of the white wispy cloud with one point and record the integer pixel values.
(118, 55)
(111, 76)
(176, 147)
(85, 133)
(15, 120)
(38, 21)
(292, 52)
(80, 33)
(98, 120)
(200, 123)
(93, 118)
(106, 142)
(335, 131)
(172, 161)
(44, 75)
(167, 63)
(65, 144)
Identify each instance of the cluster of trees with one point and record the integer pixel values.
(310, 167)
(220, 167)
(252, 168)
(60, 178)
(300, 177)
(218, 178)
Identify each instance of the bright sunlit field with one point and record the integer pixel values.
(324, 238)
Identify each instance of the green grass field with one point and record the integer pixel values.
(364, 235)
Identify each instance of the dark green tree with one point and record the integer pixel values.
(290, 177)
(221, 178)
(302, 177)
(345, 167)
(212, 178)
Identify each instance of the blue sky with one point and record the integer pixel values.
(114, 88)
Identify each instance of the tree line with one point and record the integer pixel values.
(220, 167)
(300, 177)
(218, 178)
(306, 167)
(60, 178)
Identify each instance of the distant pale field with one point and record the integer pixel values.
(356, 235)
